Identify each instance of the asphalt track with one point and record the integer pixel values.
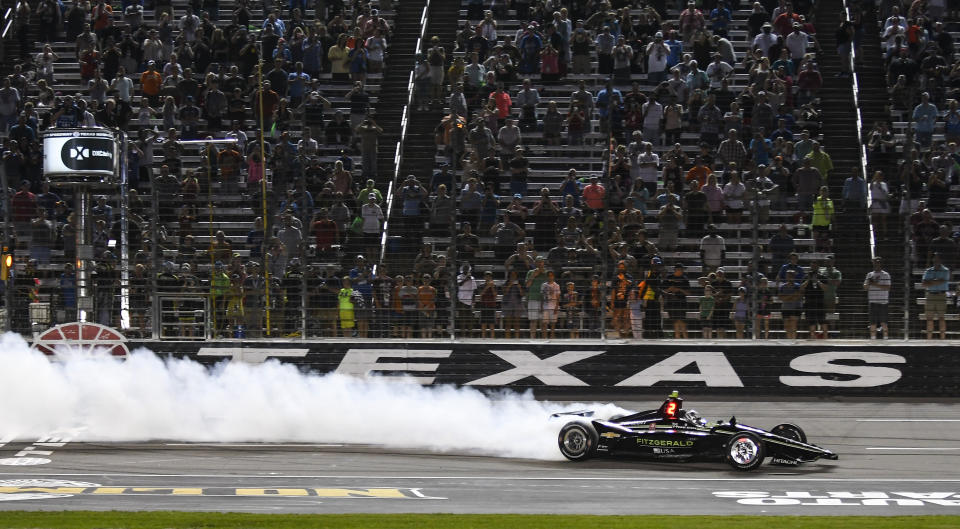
(895, 458)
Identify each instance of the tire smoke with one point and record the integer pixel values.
(149, 398)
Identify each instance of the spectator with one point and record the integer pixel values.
(368, 131)
(790, 292)
(823, 212)
(877, 285)
(712, 248)
(707, 309)
(936, 280)
(594, 194)
(372, 226)
(505, 236)
(925, 116)
(466, 287)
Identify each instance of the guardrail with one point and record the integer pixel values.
(398, 154)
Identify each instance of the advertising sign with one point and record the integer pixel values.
(616, 369)
(79, 152)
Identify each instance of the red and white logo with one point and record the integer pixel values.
(82, 338)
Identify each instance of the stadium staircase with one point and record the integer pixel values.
(394, 88)
(419, 147)
(838, 120)
(875, 106)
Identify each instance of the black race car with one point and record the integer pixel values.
(674, 434)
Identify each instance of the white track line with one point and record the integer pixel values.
(912, 448)
(908, 420)
(255, 445)
(493, 478)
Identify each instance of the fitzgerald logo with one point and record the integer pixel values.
(664, 442)
(87, 154)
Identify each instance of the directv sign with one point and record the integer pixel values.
(79, 152)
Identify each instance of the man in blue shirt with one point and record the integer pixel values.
(936, 280)
(676, 50)
(719, 18)
(854, 193)
(297, 83)
(602, 104)
(925, 116)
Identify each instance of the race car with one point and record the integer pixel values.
(672, 433)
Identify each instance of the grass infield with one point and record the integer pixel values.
(178, 520)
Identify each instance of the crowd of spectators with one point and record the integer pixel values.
(171, 76)
(913, 154)
(694, 124)
(697, 114)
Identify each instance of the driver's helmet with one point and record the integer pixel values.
(693, 417)
(672, 407)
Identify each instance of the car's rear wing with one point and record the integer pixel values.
(579, 413)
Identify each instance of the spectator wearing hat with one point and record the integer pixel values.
(936, 280)
(657, 53)
(650, 291)
(765, 40)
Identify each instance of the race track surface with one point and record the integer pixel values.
(895, 458)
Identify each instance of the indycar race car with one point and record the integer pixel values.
(674, 434)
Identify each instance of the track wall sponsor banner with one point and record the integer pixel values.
(627, 369)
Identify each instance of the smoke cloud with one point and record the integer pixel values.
(149, 398)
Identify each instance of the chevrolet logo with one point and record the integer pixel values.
(609, 435)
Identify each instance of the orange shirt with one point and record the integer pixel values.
(503, 103)
(593, 195)
(150, 82)
(427, 295)
(700, 174)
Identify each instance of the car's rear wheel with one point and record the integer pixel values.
(745, 451)
(577, 441)
(790, 431)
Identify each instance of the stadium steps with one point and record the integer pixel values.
(851, 244)
(394, 89)
(419, 147)
(874, 105)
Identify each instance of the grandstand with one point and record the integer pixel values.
(610, 160)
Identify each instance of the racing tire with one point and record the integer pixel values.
(578, 441)
(745, 451)
(790, 431)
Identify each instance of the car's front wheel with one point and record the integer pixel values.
(745, 451)
(577, 441)
(790, 431)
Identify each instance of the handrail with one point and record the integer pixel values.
(8, 20)
(398, 155)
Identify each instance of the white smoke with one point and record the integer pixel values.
(148, 398)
